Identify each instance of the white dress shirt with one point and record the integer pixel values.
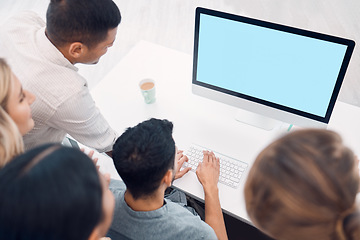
(63, 102)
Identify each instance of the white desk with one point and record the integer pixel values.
(195, 119)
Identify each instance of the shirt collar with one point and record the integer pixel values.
(50, 52)
(144, 214)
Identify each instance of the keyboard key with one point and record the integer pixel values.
(231, 169)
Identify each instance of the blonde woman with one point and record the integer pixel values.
(16, 120)
(304, 186)
(15, 114)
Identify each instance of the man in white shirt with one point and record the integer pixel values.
(43, 58)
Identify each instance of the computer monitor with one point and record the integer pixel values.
(271, 70)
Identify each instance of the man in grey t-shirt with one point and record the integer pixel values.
(147, 160)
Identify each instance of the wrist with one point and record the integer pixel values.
(211, 190)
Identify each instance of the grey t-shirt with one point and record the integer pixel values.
(171, 221)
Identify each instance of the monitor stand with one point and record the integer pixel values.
(257, 120)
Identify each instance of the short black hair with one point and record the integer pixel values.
(143, 154)
(50, 192)
(85, 21)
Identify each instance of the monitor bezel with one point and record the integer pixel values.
(218, 94)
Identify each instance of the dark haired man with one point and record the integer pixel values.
(43, 58)
(145, 158)
(77, 205)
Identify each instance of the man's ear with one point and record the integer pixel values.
(168, 177)
(76, 50)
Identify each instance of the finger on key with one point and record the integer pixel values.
(218, 163)
(206, 156)
(212, 157)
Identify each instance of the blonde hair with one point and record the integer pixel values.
(303, 186)
(11, 143)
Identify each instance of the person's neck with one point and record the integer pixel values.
(63, 50)
(147, 203)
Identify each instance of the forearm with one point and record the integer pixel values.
(213, 213)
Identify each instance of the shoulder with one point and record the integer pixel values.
(18, 32)
(180, 213)
(187, 223)
(24, 20)
(117, 187)
(32, 18)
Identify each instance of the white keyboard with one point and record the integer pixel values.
(231, 169)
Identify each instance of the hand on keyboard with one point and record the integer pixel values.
(208, 170)
(231, 169)
(180, 159)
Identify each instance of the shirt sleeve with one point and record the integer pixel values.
(81, 119)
